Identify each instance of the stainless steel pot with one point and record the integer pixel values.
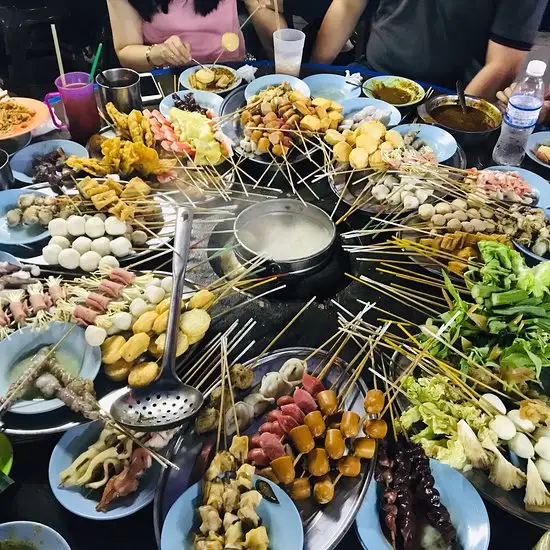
(265, 212)
(464, 138)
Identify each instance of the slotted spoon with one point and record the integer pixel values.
(167, 402)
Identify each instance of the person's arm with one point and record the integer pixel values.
(502, 64)
(513, 32)
(338, 25)
(128, 41)
(264, 19)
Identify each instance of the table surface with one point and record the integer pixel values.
(30, 497)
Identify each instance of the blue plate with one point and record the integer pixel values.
(352, 106)
(274, 80)
(20, 343)
(536, 182)
(184, 77)
(332, 86)
(207, 100)
(468, 513)
(443, 144)
(39, 535)
(10, 258)
(70, 446)
(539, 138)
(21, 234)
(282, 521)
(21, 162)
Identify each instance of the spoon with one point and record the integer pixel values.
(167, 402)
(461, 96)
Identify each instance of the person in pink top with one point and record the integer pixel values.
(149, 34)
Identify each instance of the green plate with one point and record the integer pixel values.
(6, 455)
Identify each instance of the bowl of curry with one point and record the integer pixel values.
(394, 90)
(472, 127)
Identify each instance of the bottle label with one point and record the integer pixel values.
(521, 117)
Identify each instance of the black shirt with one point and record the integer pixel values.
(440, 41)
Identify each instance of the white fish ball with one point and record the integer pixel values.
(473, 213)
(426, 211)
(486, 213)
(155, 294)
(442, 208)
(166, 284)
(410, 202)
(114, 226)
(108, 261)
(95, 228)
(100, 216)
(138, 307)
(123, 320)
(69, 258)
(479, 225)
(63, 242)
(58, 227)
(121, 247)
(155, 281)
(460, 204)
(51, 254)
(82, 244)
(454, 225)
(461, 215)
(76, 225)
(438, 220)
(542, 447)
(522, 424)
(503, 427)
(467, 227)
(139, 237)
(102, 246)
(89, 261)
(95, 336)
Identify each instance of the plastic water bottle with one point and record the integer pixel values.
(521, 116)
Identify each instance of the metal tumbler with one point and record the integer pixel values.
(121, 87)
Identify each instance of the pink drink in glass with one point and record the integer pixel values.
(80, 105)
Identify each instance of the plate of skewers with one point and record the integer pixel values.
(87, 228)
(127, 475)
(278, 123)
(257, 512)
(474, 371)
(320, 437)
(443, 508)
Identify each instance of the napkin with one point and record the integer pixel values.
(247, 72)
(354, 78)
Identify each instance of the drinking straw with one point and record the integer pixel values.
(96, 61)
(58, 55)
(276, 2)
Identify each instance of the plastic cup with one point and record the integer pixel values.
(288, 46)
(80, 105)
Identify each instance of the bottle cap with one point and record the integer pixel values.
(536, 68)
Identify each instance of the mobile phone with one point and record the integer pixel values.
(150, 91)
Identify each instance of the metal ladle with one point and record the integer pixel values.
(167, 402)
(461, 96)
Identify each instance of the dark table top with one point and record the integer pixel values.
(30, 497)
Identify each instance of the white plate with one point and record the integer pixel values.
(184, 78)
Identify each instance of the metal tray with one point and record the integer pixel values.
(337, 183)
(325, 526)
(32, 254)
(32, 426)
(234, 131)
(509, 501)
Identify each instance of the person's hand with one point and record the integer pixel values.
(172, 52)
(544, 116)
